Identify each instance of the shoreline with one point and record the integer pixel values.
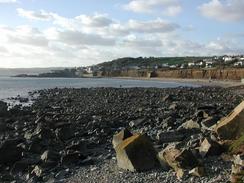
(201, 82)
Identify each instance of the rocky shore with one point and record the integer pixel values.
(66, 135)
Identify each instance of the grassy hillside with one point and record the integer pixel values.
(146, 61)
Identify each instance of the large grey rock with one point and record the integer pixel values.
(136, 153)
(179, 160)
(232, 126)
(189, 125)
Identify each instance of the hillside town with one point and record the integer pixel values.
(226, 61)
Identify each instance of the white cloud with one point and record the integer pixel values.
(98, 20)
(8, 1)
(153, 26)
(166, 7)
(226, 10)
(33, 15)
(79, 38)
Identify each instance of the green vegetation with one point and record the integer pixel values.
(237, 145)
(147, 61)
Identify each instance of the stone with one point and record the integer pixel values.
(197, 171)
(36, 146)
(136, 153)
(190, 125)
(232, 126)
(167, 137)
(210, 148)
(50, 155)
(239, 160)
(179, 160)
(119, 137)
(38, 171)
(10, 152)
(137, 122)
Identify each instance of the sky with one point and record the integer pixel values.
(62, 33)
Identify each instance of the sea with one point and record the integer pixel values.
(13, 86)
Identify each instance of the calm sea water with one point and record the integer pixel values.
(11, 87)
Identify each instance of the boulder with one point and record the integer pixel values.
(179, 160)
(119, 137)
(136, 153)
(232, 126)
(190, 125)
(210, 148)
(10, 151)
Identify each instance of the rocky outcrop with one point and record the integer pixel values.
(179, 160)
(136, 153)
(232, 126)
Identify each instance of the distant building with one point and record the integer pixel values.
(191, 64)
(228, 58)
(172, 66)
(209, 64)
(239, 64)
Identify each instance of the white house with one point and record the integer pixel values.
(239, 63)
(209, 64)
(227, 59)
(191, 64)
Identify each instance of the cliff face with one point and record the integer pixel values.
(230, 74)
(221, 74)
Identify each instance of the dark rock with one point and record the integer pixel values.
(10, 152)
(65, 133)
(24, 165)
(167, 137)
(179, 160)
(3, 108)
(209, 122)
